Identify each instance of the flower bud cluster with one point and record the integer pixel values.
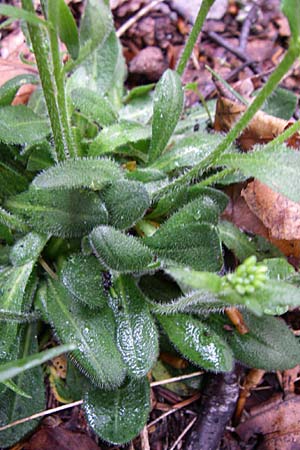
(248, 277)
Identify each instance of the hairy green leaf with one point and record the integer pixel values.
(187, 152)
(92, 333)
(38, 104)
(244, 246)
(194, 302)
(96, 23)
(12, 222)
(9, 340)
(14, 406)
(138, 92)
(277, 168)
(202, 209)
(279, 269)
(112, 138)
(20, 125)
(82, 276)
(11, 180)
(9, 89)
(126, 203)
(41, 157)
(13, 282)
(168, 104)
(282, 103)
(63, 213)
(146, 175)
(61, 17)
(92, 173)
(172, 201)
(14, 368)
(118, 416)
(237, 241)
(196, 280)
(137, 337)
(119, 251)
(195, 245)
(16, 389)
(197, 342)
(93, 106)
(103, 70)
(139, 109)
(19, 13)
(271, 295)
(195, 119)
(269, 345)
(27, 248)
(184, 240)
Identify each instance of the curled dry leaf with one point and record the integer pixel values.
(263, 128)
(239, 213)
(278, 213)
(259, 209)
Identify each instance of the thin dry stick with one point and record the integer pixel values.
(183, 433)
(174, 379)
(41, 414)
(142, 12)
(79, 402)
(145, 439)
(47, 268)
(175, 408)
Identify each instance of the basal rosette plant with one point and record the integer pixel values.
(111, 234)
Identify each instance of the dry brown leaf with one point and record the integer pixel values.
(239, 213)
(277, 421)
(59, 438)
(263, 128)
(278, 213)
(263, 212)
(289, 378)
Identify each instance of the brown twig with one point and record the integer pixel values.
(183, 433)
(47, 268)
(79, 402)
(142, 12)
(41, 414)
(228, 78)
(175, 408)
(174, 379)
(248, 22)
(234, 50)
(145, 439)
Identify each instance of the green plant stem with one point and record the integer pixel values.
(205, 7)
(39, 44)
(234, 133)
(69, 147)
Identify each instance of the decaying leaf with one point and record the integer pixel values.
(239, 213)
(55, 435)
(277, 421)
(278, 213)
(262, 128)
(260, 210)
